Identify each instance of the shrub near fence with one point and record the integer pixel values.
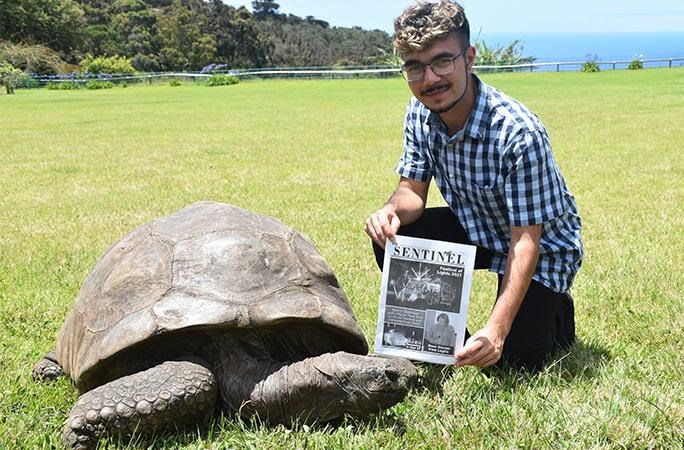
(222, 80)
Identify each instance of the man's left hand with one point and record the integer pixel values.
(482, 349)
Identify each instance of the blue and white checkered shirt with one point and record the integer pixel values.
(498, 172)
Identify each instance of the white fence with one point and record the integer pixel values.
(349, 72)
(577, 65)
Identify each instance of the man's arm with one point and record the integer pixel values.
(404, 206)
(484, 347)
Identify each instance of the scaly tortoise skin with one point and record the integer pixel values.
(215, 305)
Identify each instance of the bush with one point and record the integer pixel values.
(29, 82)
(11, 77)
(32, 58)
(499, 55)
(222, 80)
(92, 84)
(106, 64)
(637, 63)
(590, 66)
(175, 82)
(65, 86)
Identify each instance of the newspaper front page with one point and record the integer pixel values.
(424, 299)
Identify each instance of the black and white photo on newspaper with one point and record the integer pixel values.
(424, 299)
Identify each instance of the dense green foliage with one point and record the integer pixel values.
(183, 34)
(80, 169)
(106, 64)
(165, 35)
(32, 58)
(54, 23)
(222, 80)
(293, 41)
(636, 64)
(590, 67)
(497, 55)
(10, 76)
(98, 84)
(62, 86)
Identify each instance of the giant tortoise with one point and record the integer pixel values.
(215, 306)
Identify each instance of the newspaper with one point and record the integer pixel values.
(424, 299)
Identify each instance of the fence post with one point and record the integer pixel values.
(670, 62)
(557, 67)
(613, 65)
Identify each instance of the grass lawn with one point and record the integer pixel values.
(79, 169)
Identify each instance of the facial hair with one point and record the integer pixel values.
(446, 85)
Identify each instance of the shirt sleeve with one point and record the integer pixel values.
(415, 162)
(534, 186)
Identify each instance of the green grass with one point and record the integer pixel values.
(79, 169)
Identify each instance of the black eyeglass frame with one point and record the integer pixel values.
(452, 59)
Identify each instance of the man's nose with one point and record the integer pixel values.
(429, 75)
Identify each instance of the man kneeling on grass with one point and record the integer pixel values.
(491, 159)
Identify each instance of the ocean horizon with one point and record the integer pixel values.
(608, 46)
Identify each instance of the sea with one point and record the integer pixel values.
(581, 47)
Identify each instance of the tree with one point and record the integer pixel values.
(54, 23)
(96, 12)
(101, 40)
(238, 41)
(294, 41)
(186, 34)
(264, 9)
(31, 58)
(135, 26)
(185, 43)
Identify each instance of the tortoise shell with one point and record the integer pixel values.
(210, 267)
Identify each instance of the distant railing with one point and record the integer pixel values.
(611, 64)
(343, 72)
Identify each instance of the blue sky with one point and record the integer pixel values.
(497, 16)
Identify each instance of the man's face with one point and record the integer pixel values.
(440, 93)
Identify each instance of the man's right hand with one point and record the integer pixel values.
(382, 224)
(409, 199)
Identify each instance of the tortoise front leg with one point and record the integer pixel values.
(47, 368)
(325, 387)
(172, 393)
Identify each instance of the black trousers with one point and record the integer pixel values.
(545, 322)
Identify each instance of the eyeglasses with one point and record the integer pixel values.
(414, 73)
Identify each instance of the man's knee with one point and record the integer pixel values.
(532, 358)
(544, 325)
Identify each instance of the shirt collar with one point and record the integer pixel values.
(476, 124)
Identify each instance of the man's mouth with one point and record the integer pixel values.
(434, 90)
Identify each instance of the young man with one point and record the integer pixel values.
(491, 159)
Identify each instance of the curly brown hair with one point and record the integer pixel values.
(423, 23)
